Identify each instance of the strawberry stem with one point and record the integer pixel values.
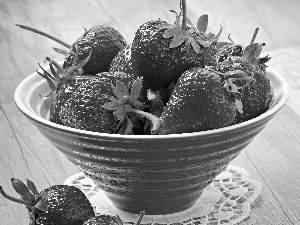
(15, 199)
(183, 8)
(154, 119)
(142, 213)
(44, 34)
(254, 36)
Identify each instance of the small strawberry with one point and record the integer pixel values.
(102, 42)
(110, 220)
(55, 205)
(162, 51)
(256, 94)
(200, 101)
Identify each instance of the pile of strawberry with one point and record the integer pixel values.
(173, 78)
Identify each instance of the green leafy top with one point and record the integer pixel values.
(29, 196)
(126, 106)
(58, 75)
(186, 33)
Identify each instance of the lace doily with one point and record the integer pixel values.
(226, 201)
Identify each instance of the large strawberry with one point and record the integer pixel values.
(55, 205)
(200, 101)
(102, 42)
(162, 51)
(105, 103)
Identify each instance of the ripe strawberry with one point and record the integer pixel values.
(92, 106)
(124, 63)
(110, 220)
(200, 101)
(83, 109)
(62, 83)
(55, 205)
(256, 97)
(256, 94)
(162, 52)
(103, 43)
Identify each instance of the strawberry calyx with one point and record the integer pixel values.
(29, 196)
(127, 107)
(58, 75)
(186, 33)
(249, 54)
(230, 78)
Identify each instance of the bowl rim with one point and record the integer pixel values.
(28, 113)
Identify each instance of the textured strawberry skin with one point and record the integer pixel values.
(67, 205)
(64, 92)
(83, 110)
(105, 43)
(256, 97)
(198, 102)
(160, 65)
(123, 62)
(101, 220)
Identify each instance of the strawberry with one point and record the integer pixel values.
(82, 110)
(62, 83)
(110, 220)
(256, 94)
(55, 205)
(256, 97)
(105, 103)
(124, 63)
(103, 43)
(200, 101)
(162, 52)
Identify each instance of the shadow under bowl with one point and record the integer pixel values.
(160, 174)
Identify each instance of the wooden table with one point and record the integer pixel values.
(273, 158)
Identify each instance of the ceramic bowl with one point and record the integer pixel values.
(160, 174)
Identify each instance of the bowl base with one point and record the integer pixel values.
(162, 207)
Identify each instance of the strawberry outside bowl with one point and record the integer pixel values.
(160, 174)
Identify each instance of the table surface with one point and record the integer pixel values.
(273, 158)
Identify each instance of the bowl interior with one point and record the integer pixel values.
(30, 99)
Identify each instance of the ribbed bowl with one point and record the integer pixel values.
(160, 174)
